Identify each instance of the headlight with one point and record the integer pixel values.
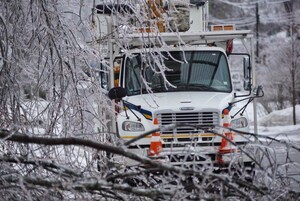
(239, 123)
(132, 126)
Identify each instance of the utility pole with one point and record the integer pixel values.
(294, 67)
(289, 8)
(257, 32)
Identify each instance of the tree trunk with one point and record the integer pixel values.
(294, 97)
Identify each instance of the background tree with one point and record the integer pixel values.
(49, 88)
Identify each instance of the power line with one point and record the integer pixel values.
(264, 18)
(252, 3)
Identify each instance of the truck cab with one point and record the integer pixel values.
(192, 94)
(182, 80)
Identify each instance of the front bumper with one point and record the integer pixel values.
(188, 155)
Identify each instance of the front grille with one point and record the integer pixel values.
(191, 158)
(187, 121)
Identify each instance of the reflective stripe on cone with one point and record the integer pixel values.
(155, 144)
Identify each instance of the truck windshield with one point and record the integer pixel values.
(184, 71)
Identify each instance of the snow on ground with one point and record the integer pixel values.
(280, 117)
(290, 132)
(278, 124)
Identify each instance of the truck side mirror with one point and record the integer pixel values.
(258, 91)
(117, 93)
(247, 73)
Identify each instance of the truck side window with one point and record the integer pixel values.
(133, 77)
(222, 77)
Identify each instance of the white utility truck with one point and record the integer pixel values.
(180, 76)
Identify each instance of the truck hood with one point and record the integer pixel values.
(181, 101)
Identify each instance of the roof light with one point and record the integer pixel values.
(223, 27)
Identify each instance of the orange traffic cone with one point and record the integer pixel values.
(155, 144)
(226, 147)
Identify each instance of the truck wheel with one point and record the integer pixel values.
(249, 171)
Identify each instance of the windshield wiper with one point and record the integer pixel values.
(200, 86)
(138, 91)
(157, 89)
(144, 91)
